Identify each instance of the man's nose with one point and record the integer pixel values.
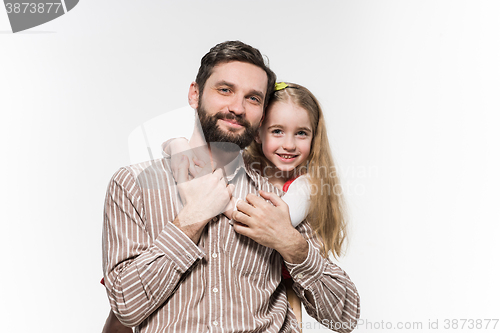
(237, 105)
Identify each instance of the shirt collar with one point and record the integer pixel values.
(232, 168)
(257, 178)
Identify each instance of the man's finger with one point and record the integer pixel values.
(199, 162)
(205, 170)
(244, 207)
(192, 169)
(230, 190)
(241, 228)
(198, 167)
(255, 200)
(219, 174)
(241, 218)
(182, 170)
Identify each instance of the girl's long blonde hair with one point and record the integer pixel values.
(327, 214)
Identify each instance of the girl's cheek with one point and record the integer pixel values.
(268, 147)
(271, 143)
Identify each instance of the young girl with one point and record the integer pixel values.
(293, 152)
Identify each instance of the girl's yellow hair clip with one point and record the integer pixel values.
(280, 86)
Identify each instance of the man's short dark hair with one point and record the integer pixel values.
(234, 51)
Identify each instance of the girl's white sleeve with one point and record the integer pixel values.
(298, 199)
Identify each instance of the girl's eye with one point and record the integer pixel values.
(302, 133)
(276, 131)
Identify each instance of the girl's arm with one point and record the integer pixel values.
(298, 199)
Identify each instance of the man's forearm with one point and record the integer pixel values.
(192, 225)
(134, 292)
(130, 254)
(295, 249)
(319, 281)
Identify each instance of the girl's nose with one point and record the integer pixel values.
(289, 143)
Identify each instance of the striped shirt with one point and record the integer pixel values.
(158, 280)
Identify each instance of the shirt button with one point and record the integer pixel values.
(215, 290)
(189, 256)
(215, 323)
(300, 276)
(214, 255)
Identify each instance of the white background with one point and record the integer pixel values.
(411, 94)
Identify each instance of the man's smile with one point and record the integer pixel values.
(232, 123)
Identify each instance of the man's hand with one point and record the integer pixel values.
(269, 225)
(179, 147)
(203, 198)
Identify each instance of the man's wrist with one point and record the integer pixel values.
(190, 223)
(296, 250)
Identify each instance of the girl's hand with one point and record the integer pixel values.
(269, 224)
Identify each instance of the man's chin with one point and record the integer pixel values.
(229, 139)
(232, 131)
(218, 130)
(228, 147)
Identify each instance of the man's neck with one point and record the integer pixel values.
(216, 151)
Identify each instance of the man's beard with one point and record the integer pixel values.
(227, 141)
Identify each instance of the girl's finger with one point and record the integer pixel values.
(274, 198)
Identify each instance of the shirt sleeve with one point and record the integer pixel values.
(336, 300)
(140, 273)
(298, 199)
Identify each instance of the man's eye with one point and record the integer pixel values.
(224, 90)
(255, 99)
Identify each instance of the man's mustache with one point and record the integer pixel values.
(231, 116)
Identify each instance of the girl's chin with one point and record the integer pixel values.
(286, 169)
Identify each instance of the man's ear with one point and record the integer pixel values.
(257, 138)
(194, 95)
(262, 118)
